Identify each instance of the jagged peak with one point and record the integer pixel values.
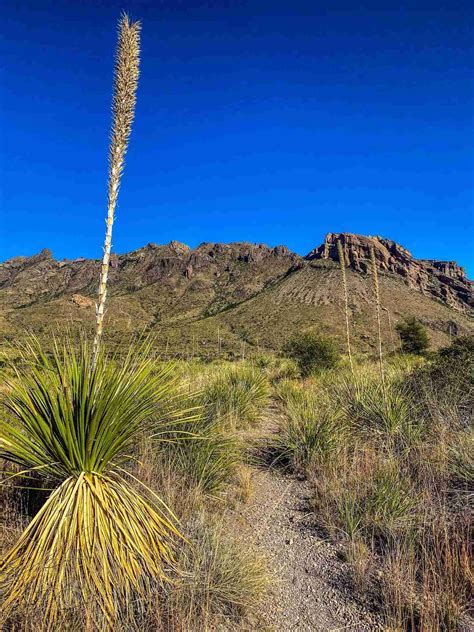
(178, 246)
(43, 255)
(445, 281)
(442, 280)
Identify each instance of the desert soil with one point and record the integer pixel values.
(310, 585)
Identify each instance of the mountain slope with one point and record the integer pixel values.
(228, 295)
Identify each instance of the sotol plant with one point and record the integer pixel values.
(377, 312)
(96, 546)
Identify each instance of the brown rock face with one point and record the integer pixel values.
(244, 291)
(443, 280)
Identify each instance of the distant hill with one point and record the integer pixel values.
(237, 296)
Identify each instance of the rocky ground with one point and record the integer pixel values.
(310, 583)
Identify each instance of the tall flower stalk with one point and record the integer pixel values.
(377, 312)
(342, 263)
(123, 110)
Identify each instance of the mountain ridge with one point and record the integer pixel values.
(251, 291)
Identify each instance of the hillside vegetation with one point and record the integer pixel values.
(165, 440)
(232, 300)
(390, 469)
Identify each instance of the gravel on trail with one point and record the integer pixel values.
(310, 587)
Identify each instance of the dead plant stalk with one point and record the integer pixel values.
(377, 312)
(346, 301)
(123, 110)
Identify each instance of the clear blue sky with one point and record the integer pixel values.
(270, 122)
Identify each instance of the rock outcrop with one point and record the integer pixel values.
(246, 292)
(443, 280)
(220, 275)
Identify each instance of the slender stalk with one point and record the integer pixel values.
(346, 300)
(377, 312)
(390, 328)
(123, 110)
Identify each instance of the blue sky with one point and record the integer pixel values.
(270, 122)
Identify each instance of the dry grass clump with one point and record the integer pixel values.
(237, 397)
(203, 452)
(220, 581)
(310, 429)
(207, 449)
(277, 369)
(223, 581)
(393, 478)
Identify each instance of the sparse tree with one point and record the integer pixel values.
(413, 336)
(312, 352)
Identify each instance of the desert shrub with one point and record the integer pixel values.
(461, 350)
(398, 492)
(312, 352)
(383, 410)
(413, 336)
(237, 396)
(310, 430)
(445, 386)
(452, 370)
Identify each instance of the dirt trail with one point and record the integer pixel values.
(310, 583)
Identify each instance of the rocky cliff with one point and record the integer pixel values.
(443, 280)
(249, 293)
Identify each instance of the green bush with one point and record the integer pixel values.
(456, 363)
(413, 336)
(312, 351)
(445, 387)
